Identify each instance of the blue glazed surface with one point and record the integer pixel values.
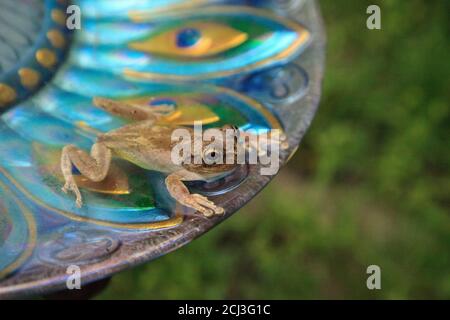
(271, 41)
(242, 83)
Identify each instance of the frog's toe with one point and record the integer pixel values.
(207, 212)
(71, 186)
(210, 209)
(219, 211)
(202, 200)
(79, 203)
(66, 188)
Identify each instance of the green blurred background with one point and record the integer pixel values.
(370, 184)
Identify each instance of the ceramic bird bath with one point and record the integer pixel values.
(254, 64)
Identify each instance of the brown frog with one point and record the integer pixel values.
(147, 143)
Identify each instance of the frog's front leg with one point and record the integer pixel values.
(95, 166)
(180, 193)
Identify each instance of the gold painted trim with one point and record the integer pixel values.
(29, 78)
(304, 37)
(172, 222)
(59, 16)
(32, 237)
(46, 58)
(56, 38)
(7, 94)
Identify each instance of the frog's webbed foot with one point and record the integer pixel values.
(180, 193)
(70, 185)
(201, 204)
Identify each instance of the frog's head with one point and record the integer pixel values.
(218, 152)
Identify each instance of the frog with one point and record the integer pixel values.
(147, 142)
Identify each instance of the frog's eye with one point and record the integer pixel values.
(192, 40)
(212, 156)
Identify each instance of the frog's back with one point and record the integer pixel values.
(146, 147)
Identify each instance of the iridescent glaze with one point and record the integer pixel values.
(215, 61)
(17, 232)
(225, 44)
(117, 9)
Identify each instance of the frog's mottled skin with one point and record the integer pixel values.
(147, 144)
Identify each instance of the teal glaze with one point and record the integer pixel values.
(35, 129)
(106, 45)
(15, 229)
(119, 9)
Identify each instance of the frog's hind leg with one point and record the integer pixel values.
(134, 112)
(94, 166)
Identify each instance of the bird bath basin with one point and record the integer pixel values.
(255, 64)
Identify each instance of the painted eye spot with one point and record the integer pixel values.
(163, 102)
(194, 40)
(188, 37)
